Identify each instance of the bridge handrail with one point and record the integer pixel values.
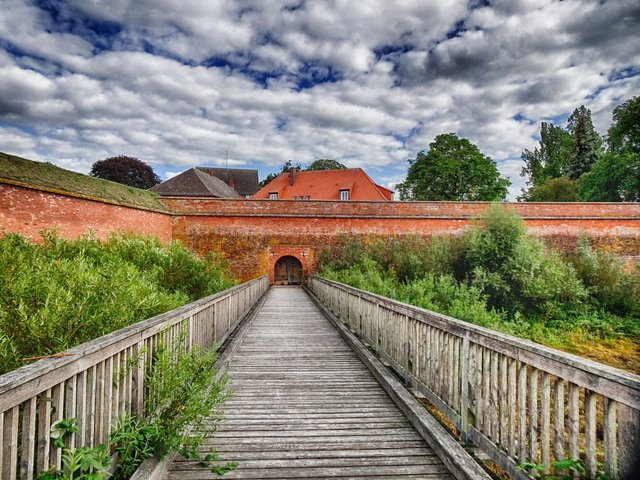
(101, 379)
(508, 379)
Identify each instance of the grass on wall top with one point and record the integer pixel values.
(50, 177)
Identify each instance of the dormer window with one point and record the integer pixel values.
(344, 194)
(273, 195)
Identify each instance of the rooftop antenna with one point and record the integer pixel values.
(226, 163)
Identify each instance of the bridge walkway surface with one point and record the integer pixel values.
(305, 406)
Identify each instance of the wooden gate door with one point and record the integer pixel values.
(288, 271)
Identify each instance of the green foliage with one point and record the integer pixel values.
(453, 169)
(181, 409)
(129, 171)
(82, 463)
(564, 469)
(560, 189)
(549, 160)
(325, 164)
(516, 271)
(60, 293)
(610, 285)
(61, 428)
(132, 438)
(180, 390)
(586, 143)
(624, 133)
(498, 277)
(615, 177)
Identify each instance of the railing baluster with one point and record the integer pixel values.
(27, 455)
(590, 433)
(522, 411)
(515, 389)
(9, 444)
(610, 440)
(558, 444)
(545, 421)
(513, 405)
(57, 413)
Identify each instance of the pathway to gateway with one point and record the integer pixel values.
(306, 407)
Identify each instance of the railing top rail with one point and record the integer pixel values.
(47, 372)
(609, 381)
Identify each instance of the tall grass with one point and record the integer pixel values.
(59, 293)
(496, 276)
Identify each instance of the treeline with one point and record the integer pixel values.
(59, 293)
(494, 275)
(570, 164)
(576, 164)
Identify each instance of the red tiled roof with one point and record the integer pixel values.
(326, 185)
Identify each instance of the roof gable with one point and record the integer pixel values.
(242, 180)
(325, 185)
(193, 182)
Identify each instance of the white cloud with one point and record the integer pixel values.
(179, 84)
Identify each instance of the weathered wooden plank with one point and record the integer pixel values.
(310, 409)
(616, 384)
(27, 455)
(590, 433)
(9, 468)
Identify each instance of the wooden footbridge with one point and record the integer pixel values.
(320, 379)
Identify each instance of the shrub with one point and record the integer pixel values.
(605, 276)
(60, 293)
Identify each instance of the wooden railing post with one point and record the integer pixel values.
(504, 394)
(465, 376)
(100, 380)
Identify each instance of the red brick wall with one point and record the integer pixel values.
(246, 230)
(28, 211)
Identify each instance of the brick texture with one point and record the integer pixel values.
(28, 211)
(253, 234)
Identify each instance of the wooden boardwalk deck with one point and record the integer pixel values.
(306, 407)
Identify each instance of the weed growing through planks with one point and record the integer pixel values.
(565, 469)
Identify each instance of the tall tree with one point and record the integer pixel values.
(624, 133)
(325, 164)
(586, 142)
(453, 169)
(615, 177)
(127, 170)
(549, 160)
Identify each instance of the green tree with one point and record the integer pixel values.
(126, 170)
(614, 178)
(624, 133)
(549, 160)
(586, 142)
(325, 164)
(560, 189)
(453, 169)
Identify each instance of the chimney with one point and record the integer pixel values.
(292, 175)
(232, 182)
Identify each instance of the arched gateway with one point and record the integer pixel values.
(288, 271)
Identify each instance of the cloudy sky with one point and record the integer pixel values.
(369, 83)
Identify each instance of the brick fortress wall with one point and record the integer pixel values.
(28, 211)
(253, 233)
